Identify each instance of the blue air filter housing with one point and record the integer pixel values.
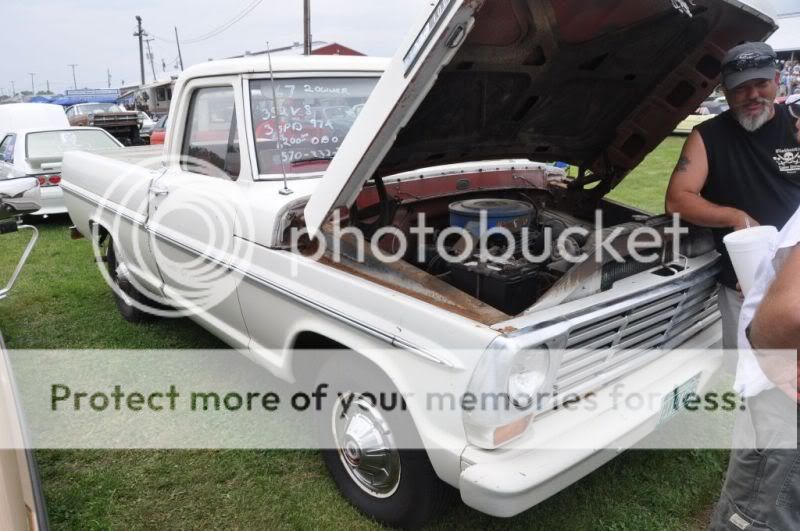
(508, 213)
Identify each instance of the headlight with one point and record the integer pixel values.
(527, 376)
(512, 382)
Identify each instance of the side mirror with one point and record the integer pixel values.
(19, 196)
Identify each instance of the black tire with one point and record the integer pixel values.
(129, 312)
(419, 495)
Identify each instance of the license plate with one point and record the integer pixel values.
(674, 401)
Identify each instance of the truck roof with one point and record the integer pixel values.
(15, 116)
(260, 64)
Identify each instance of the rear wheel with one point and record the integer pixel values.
(374, 455)
(126, 296)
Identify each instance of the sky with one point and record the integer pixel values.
(45, 36)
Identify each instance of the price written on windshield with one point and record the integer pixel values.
(291, 155)
(290, 90)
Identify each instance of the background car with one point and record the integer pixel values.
(146, 125)
(38, 153)
(159, 131)
(709, 109)
(124, 125)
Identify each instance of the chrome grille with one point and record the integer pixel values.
(617, 344)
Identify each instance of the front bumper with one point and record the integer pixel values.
(509, 481)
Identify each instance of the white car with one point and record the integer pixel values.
(146, 125)
(251, 182)
(38, 153)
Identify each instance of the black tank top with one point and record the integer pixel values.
(756, 172)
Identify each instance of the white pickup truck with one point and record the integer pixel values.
(260, 157)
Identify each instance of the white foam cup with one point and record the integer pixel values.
(747, 247)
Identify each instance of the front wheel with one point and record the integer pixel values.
(374, 455)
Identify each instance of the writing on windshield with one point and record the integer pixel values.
(304, 128)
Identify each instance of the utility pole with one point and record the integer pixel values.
(150, 57)
(33, 89)
(48, 85)
(108, 70)
(306, 27)
(74, 82)
(180, 57)
(139, 34)
(13, 90)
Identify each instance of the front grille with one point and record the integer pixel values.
(606, 347)
(100, 119)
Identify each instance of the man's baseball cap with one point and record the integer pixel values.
(751, 60)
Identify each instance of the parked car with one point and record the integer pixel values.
(20, 488)
(466, 91)
(38, 153)
(708, 110)
(159, 131)
(146, 126)
(122, 124)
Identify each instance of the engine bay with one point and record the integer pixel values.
(493, 242)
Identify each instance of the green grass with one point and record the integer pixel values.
(62, 302)
(646, 186)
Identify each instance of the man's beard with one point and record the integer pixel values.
(753, 122)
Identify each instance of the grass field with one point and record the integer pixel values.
(61, 302)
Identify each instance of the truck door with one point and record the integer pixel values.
(192, 207)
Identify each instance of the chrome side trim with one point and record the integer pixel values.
(253, 277)
(102, 202)
(318, 306)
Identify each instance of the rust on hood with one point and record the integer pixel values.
(594, 84)
(409, 280)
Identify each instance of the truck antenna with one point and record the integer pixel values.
(278, 123)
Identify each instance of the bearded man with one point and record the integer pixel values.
(741, 168)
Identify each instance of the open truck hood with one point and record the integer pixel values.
(595, 83)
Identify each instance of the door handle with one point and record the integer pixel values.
(159, 191)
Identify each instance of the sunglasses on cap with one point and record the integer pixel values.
(793, 103)
(749, 61)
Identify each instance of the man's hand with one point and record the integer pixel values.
(782, 370)
(745, 221)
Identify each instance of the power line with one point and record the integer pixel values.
(222, 28)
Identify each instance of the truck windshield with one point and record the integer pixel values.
(313, 117)
(53, 144)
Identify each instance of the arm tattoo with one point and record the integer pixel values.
(683, 164)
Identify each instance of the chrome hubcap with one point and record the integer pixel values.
(366, 445)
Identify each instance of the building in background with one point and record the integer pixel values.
(317, 48)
